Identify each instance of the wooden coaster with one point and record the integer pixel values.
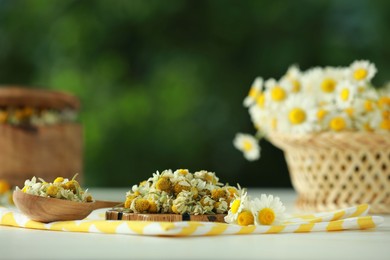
(115, 214)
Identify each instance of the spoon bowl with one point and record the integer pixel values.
(46, 210)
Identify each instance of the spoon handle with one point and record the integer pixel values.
(98, 204)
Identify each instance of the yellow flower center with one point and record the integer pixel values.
(52, 191)
(163, 184)
(385, 124)
(297, 116)
(141, 205)
(247, 146)
(344, 94)
(368, 105)
(183, 171)
(321, 113)
(260, 100)
(328, 85)
(235, 205)
(152, 207)
(245, 218)
(337, 124)
(360, 74)
(58, 179)
(278, 94)
(266, 216)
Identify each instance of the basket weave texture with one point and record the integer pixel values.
(336, 170)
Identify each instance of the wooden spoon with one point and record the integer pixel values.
(46, 210)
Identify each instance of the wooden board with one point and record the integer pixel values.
(120, 215)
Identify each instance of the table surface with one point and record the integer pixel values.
(19, 243)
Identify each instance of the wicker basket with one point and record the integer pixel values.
(45, 151)
(336, 170)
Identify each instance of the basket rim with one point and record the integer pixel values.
(327, 139)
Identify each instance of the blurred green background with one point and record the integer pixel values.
(162, 82)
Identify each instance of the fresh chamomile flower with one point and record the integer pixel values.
(322, 111)
(259, 117)
(240, 203)
(346, 93)
(362, 71)
(248, 145)
(293, 76)
(246, 218)
(268, 210)
(276, 92)
(309, 80)
(298, 115)
(384, 102)
(326, 83)
(384, 125)
(254, 92)
(368, 120)
(338, 121)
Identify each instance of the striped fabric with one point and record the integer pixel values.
(345, 219)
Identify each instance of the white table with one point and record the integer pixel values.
(18, 243)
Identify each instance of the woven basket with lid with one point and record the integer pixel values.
(45, 151)
(336, 170)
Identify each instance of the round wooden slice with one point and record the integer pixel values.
(116, 214)
(18, 96)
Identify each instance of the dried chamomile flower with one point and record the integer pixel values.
(218, 193)
(61, 188)
(140, 205)
(181, 186)
(180, 192)
(221, 206)
(183, 203)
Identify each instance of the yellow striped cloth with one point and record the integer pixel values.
(345, 219)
